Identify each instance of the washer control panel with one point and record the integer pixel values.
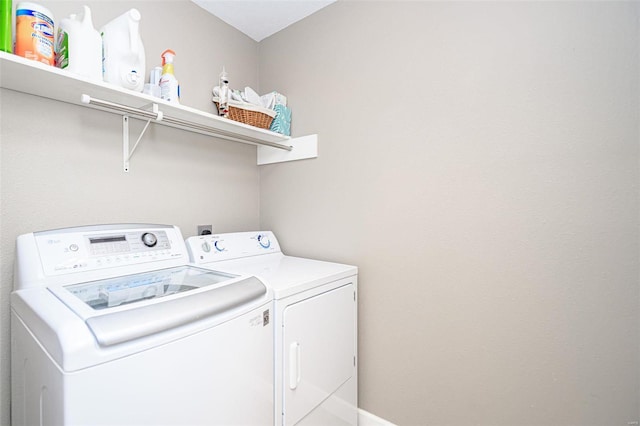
(69, 252)
(215, 248)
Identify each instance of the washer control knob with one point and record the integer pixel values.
(264, 241)
(149, 239)
(218, 245)
(206, 247)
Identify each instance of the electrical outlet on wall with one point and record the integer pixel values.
(205, 229)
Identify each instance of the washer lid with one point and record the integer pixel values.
(109, 293)
(120, 309)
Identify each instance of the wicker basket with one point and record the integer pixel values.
(252, 115)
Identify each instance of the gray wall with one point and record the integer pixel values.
(490, 200)
(61, 165)
(479, 162)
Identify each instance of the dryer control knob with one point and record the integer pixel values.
(264, 241)
(206, 247)
(218, 245)
(149, 239)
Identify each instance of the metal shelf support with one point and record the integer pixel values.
(126, 154)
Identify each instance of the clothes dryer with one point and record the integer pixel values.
(111, 325)
(315, 324)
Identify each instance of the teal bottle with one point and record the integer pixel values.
(5, 26)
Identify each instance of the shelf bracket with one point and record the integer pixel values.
(126, 153)
(302, 148)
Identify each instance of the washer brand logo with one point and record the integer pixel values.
(265, 318)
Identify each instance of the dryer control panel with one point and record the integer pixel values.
(215, 248)
(84, 249)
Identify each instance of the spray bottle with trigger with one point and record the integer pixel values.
(223, 105)
(169, 87)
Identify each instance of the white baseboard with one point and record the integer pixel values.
(365, 418)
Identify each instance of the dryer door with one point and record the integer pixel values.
(319, 347)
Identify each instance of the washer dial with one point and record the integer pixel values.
(149, 239)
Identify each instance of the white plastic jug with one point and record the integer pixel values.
(122, 52)
(79, 46)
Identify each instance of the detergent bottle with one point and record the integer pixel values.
(169, 87)
(123, 60)
(79, 46)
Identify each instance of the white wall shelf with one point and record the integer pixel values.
(26, 76)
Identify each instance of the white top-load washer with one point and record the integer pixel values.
(315, 324)
(111, 325)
